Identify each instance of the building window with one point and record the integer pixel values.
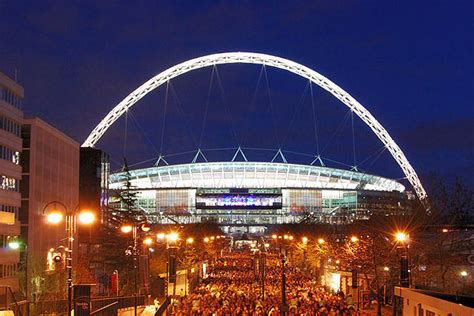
(9, 155)
(11, 98)
(11, 209)
(8, 270)
(10, 126)
(9, 184)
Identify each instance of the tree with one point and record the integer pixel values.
(124, 209)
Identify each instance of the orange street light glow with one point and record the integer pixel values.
(86, 217)
(126, 229)
(190, 240)
(148, 241)
(354, 239)
(54, 217)
(206, 239)
(160, 236)
(401, 236)
(173, 236)
(274, 236)
(321, 241)
(305, 240)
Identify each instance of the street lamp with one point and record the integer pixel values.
(284, 305)
(135, 229)
(402, 239)
(16, 244)
(148, 241)
(55, 215)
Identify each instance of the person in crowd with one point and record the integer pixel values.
(232, 289)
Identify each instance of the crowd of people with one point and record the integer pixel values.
(233, 287)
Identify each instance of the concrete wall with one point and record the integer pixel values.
(414, 301)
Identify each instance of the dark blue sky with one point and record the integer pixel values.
(410, 63)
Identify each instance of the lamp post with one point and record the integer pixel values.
(135, 230)
(284, 238)
(402, 239)
(55, 216)
(17, 244)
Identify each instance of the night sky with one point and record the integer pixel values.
(410, 63)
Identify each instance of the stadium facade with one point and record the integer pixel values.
(249, 196)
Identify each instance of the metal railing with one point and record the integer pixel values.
(99, 305)
(8, 301)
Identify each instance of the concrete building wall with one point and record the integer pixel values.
(11, 118)
(50, 173)
(416, 303)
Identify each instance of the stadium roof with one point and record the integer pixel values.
(253, 175)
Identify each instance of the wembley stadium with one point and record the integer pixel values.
(250, 196)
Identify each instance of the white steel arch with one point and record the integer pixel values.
(272, 61)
